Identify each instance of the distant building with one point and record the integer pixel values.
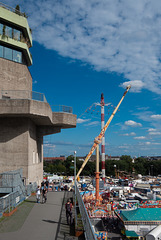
(93, 158)
(151, 158)
(117, 158)
(141, 220)
(53, 159)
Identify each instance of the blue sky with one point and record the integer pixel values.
(84, 48)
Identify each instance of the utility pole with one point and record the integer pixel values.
(97, 173)
(103, 104)
(103, 138)
(75, 197)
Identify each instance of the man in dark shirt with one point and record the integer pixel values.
(44, 195)
(68, 207)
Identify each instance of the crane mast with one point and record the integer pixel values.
(99, 137)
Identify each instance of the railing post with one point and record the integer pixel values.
(9, 204)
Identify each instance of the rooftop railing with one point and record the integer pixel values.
(22, 94)
(61, 108)
(12, 10)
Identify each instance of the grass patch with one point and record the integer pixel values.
(15, 222)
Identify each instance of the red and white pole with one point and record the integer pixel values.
(103, 138)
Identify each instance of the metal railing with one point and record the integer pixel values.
(88, 229)
(13, 183)
(10, 179)
(10, 201)
(22, 94)
(61, 108)
(12, 10)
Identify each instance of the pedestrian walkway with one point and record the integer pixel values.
(37, 221)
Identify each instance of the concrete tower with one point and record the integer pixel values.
(25, 116)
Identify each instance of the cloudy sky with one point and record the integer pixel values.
(82, 48)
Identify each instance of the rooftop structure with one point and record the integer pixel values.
(142, 214)
(53, 159)
(25, 116)
(141, 220)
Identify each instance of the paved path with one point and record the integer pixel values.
(44, 221)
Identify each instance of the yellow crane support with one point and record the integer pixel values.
(98, 139)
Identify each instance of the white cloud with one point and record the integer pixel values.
(141, 137)
(129, 134)
(152, 143)
(93, 123)
(156, 117)
(49, 145)
(144, 115)
(34, 81)
(80, 120)
(151, 130)
(154, 133)
(123, 147)
(136, 85)
(133, 124)
(113, 36)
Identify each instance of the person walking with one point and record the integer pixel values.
(47, 184)
(38, 194)
(68, 207)
(44, 195)
(42, 185)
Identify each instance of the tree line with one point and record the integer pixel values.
(125, 166)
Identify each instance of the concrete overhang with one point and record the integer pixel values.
(39, 112)
(66, 120)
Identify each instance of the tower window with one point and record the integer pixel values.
(16, 34)
(17, 56)
(1, 51)
(7, 53)
(1, 28)
(12, 33)
(11, 54)
(8, 32)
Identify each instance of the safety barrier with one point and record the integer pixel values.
(10, 201)
(61, 108)
(13, 190)
(88, 229)
(12, 9)
(22, 94)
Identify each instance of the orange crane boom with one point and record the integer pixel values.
(98, 139)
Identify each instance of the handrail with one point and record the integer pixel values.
(22, 94)
(61, 108)
(89, 232)
(12, 9)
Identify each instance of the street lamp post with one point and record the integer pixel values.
(151, 170)
(75, 188)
